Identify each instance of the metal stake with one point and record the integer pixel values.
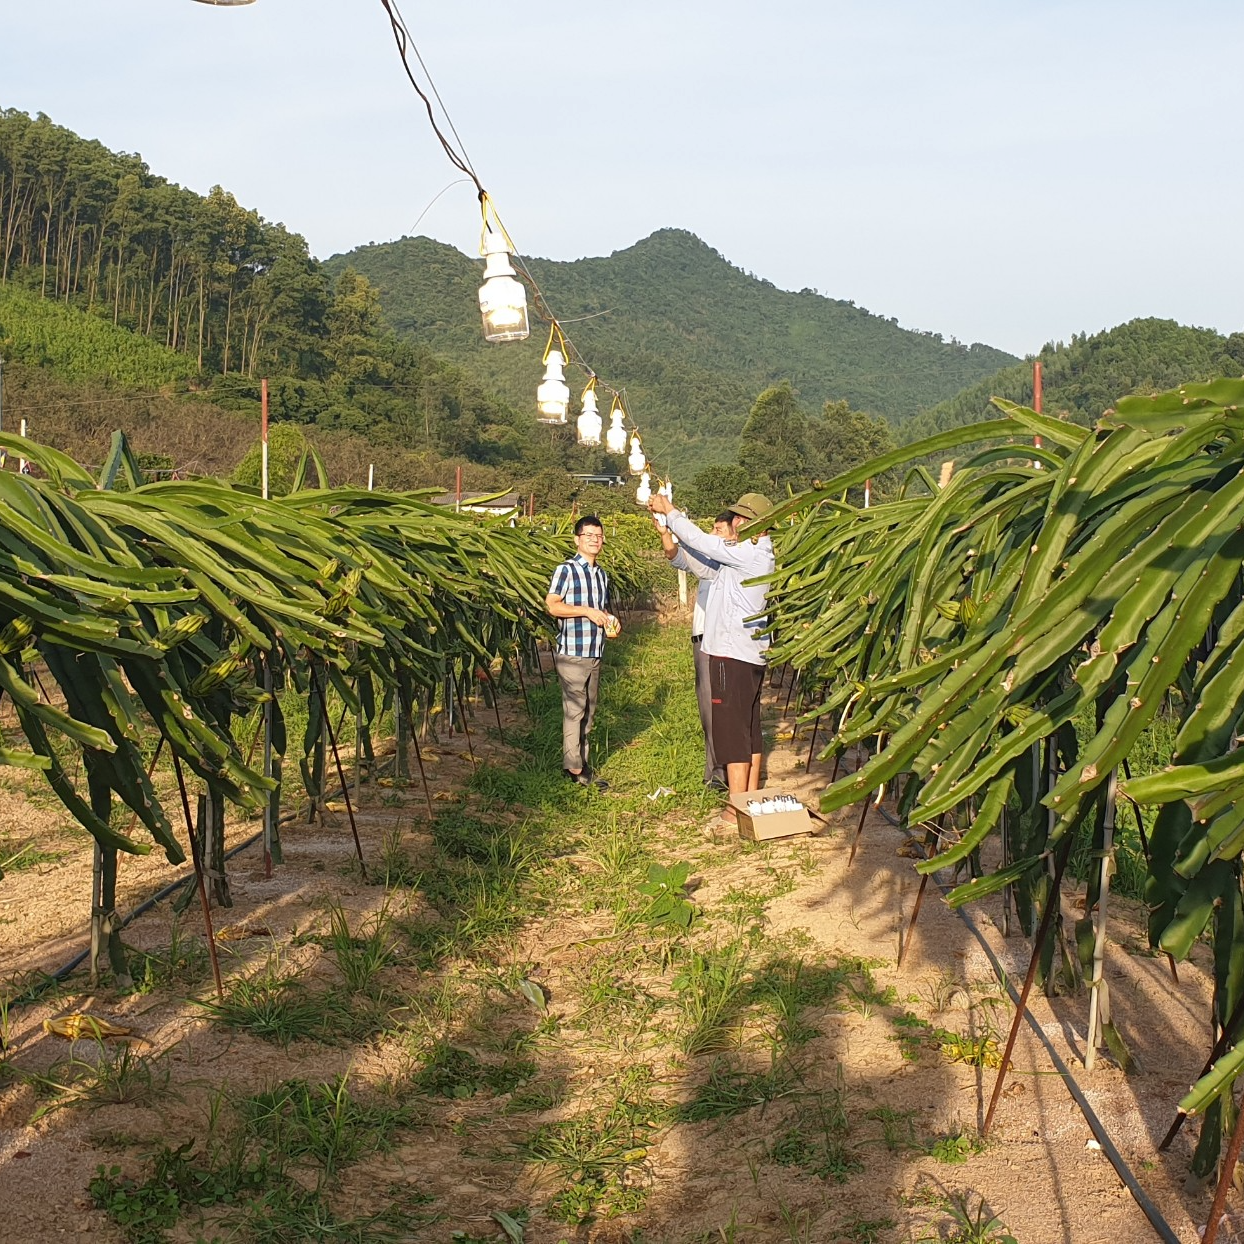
(198, 876)
(1051, 905)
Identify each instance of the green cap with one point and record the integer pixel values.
(751, 505)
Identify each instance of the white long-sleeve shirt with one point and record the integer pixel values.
(705, 572)
(734, 608)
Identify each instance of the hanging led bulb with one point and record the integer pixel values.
(644, 492)
(589, 422)
(502, 297)
(553, 395)
(615, 438)
(666, 490)
(636, 460)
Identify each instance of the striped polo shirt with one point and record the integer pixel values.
(580, 583)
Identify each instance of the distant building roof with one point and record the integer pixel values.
(481, 502)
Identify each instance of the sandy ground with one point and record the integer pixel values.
(1041, 1172)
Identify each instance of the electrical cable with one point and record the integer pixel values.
(1117, 1160)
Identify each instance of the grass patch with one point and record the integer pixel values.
(278, 1007)
(731, 1089)
(119, 1076)
(451, 1071)
(323, 1123)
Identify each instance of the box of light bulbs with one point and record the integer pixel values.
(770, 813)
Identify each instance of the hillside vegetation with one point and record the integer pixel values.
(690, 337)
(1083, 378)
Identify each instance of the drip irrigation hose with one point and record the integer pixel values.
(158, 897)
(145, 906)
(1147, 1207)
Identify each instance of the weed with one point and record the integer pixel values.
(289, 1214)
(145, 1211)
(744, 908)
(185, 963)
(361, 957)
(668, 905)
(180, 1177)
(710, 988)
(940, 993)
(865, 1230)
(730, 1089)
(955, 1147)
(396, 866)
(981, 1051)
(120, 1076)
(451, 1071)
(862, 989)
(324, 1123)
(969, 1225)
(600, 1156)
(911, 1034)
(783, 881)
(535, 1098)
(898, 1129)
(816, 1140)
(513, 1226)
(16, 855)
(786, 985)
(279, 1008)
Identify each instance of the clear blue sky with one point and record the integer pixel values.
(1009, 172)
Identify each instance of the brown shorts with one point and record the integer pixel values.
(736, 709)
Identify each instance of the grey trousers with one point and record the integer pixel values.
(704, 694)
(580, 680)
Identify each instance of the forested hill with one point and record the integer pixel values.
(1086, 376)
(167, 304)
(690, 337)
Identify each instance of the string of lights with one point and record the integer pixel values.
(504, 305)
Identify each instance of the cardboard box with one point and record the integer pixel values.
(769, 824)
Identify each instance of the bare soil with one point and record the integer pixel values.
(1041, 1171)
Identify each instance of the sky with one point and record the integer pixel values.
(1004, 171)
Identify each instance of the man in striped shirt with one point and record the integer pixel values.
(578, 598)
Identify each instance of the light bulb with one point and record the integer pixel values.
(636, 460)
(553, 395)
(615, 438)
(589, 422)
(502, 297)
(644, 492)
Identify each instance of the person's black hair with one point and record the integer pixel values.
(588, 520)
(726, 516)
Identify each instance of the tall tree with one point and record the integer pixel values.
(842, 438)
(773, 448)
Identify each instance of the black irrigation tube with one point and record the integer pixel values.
(158, 897)
(1117, 1160)
(145, 906)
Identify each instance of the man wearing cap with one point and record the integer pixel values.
(732, 626)
(705, 571)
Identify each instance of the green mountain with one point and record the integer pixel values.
(689, 337)
(1082, 379)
